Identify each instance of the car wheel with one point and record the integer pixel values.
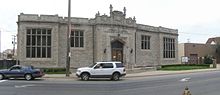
(1, 76)
(85, 76)
(28, 76)
(115, 76)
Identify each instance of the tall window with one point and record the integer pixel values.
(77, 38)
(145, 42)
(38, 43)
(169, 48)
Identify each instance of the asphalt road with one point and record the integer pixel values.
(203, 83)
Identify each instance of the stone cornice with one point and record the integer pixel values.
(116, 19)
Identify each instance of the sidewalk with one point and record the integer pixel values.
(135, 73)
(159, 73)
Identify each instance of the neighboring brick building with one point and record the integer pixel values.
(42, 41)
(196, 52)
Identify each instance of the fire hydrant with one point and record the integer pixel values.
(186, 91)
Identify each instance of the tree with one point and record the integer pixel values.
(9, 56)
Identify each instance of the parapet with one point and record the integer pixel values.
(41, 18)
(50, 18)
(167, 30)
(157, 29)
(77, 20)
(147, 28)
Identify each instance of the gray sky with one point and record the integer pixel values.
(196, 20)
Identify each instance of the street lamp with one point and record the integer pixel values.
(13, 43)
(68, 55)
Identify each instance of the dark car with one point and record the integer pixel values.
(18, 71)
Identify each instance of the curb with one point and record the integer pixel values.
(186, 72)
(59, 77)
(132, 75)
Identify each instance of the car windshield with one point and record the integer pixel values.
(92, 65)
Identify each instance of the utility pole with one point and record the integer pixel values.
(68, 41)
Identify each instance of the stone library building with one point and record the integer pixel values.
(42, 41)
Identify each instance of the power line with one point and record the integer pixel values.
(196, 33)
(4, 30)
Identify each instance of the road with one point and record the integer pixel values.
(202, 83)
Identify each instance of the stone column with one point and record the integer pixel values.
(214, 63)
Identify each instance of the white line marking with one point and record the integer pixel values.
(2, 81)
(23, 86)
(185, 79)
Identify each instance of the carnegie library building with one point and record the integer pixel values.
(42, 41)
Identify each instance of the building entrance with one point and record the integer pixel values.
(117, 51)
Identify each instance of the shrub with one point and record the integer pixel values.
(174, 65)
(184, 67)
(208, 60)
(54, 70)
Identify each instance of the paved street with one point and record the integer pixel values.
(200, 83)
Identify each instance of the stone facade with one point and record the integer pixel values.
(100, 34)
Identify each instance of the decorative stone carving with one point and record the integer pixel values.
(129, 21)
(104, 18)
(134, 18)
(124, 32)
(124, 11)
(112, 30)
(118, 19)
(111, 8)
(97, 14)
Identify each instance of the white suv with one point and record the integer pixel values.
(113, 70)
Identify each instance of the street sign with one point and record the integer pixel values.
(184, 59)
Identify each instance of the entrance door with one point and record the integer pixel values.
(117, 51)
(193, 58)
(117, 55)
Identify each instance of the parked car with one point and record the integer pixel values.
(18, 71)
(112, 70)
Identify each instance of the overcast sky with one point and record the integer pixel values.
(196, 20)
